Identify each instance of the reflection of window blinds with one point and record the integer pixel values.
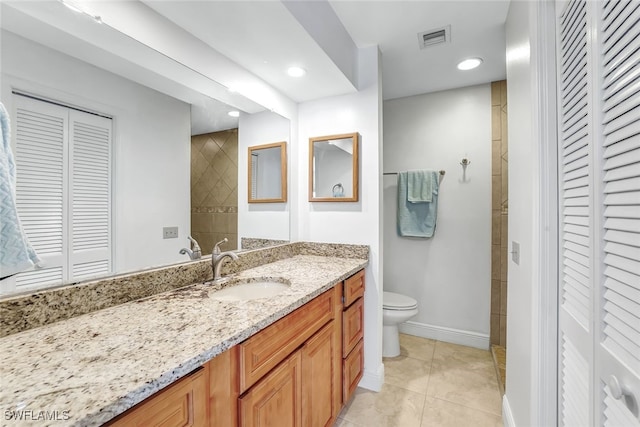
(254, 175)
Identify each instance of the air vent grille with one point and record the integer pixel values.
(434, 37)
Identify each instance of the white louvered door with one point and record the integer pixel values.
(41, 155)
(576, 203)
(618, 349)
(63, 192)
(599, 139)
(90, 184)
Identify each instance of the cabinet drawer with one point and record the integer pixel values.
(183, 403)
(352, 326)
(352, 370)
(353, 288)
(263, 351)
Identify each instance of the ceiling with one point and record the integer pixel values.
(265, 37)
(477, 30)
(253, 42)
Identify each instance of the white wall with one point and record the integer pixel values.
(151, 145)
(333, 166)
(351, 222)
(269, 176)
(449, 274)
(261, 220)
(522, 204)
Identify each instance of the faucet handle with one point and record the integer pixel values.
(216, 248)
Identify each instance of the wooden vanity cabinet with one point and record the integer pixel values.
(224, 389)
(276, 400)
(297, 372)
(183, 403)
(291, 370)
(352, 334)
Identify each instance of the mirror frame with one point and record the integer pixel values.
(354, 192)
(283, 172)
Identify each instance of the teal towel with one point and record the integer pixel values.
(419, 186)
(416, 219)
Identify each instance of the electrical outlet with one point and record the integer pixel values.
(170, 232)
(515, 252)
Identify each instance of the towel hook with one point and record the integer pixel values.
(465, 162)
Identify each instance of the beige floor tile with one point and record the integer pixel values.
(476, 389)
(340, 422)
(460, 355)
(440, 413)
(416, 347)
(465, 376)
(391, 407)
(408, 373)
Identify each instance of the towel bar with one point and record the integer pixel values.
(442, 172)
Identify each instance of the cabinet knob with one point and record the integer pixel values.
(620, 392)
(614, 386)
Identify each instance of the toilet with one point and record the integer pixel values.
(396, 309)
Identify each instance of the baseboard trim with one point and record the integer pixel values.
(507, 416)
(440, 333)
(373, 380)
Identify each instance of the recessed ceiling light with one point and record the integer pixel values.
(469, 64)
(296, 71)
(72, 6)
(234, 113)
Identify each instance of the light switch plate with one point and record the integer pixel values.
(170, 232)
(515, 252)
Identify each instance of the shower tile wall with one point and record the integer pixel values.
(214, 189)
(500, 208)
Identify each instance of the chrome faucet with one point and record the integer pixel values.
(194, 252)
(217, 257)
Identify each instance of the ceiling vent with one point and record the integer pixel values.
(434, 37)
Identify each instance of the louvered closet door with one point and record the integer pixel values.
(40, 135)
(576, 205)
(63, 191)
(90, 184)
(619, 335)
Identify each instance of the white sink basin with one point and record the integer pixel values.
(250, 291)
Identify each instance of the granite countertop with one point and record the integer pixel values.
(88, 369)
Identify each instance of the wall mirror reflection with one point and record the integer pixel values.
(169, 165)
(268, 173)
(333, 168)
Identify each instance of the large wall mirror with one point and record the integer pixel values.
(267, 173)
(333, 168)
(177, 157)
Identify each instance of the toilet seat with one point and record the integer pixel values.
(393, 301)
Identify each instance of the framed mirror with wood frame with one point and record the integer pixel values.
(268, 173)
(333, 168)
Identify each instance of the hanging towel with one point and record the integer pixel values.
(417, 219)
(419, 186)
(16, 254)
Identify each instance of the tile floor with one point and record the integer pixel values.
(431, 383)
(500, 361)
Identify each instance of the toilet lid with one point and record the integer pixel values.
(393, 301)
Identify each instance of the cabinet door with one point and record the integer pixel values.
(320, 363)
(181, 404)
(352, 370)
(353, 326)
(275, 401)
